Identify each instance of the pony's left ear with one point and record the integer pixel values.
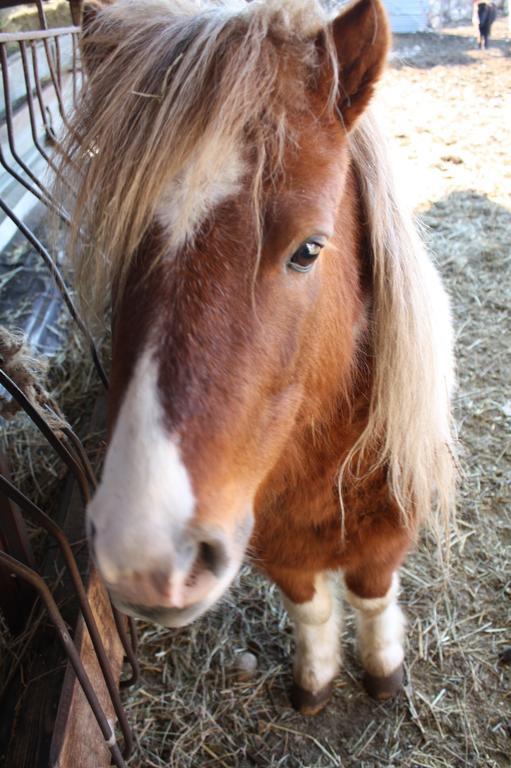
(361, 37)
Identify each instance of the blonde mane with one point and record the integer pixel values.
(190, 84)
(190, 81)
(410, 424)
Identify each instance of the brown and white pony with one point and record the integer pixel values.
(282, 359)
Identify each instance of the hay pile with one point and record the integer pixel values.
(65, 380)
(63, 367)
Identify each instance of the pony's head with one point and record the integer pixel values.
(212, 149)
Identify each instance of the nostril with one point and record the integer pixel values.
(208, 555)
(213, 555)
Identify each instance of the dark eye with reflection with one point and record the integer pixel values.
(304, 257)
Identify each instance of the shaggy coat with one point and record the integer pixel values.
(282, 347)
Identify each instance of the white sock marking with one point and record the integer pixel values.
(317, 626)
(380, 630)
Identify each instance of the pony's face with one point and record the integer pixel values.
(214, 360)
(219, 355)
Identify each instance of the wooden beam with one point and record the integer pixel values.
(77, 739)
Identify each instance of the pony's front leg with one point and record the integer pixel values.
(317, 628)
(380, 633)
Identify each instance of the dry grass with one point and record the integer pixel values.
(35, 468)
(446, 108)
(71, 378)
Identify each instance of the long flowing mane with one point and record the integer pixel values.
(190, 81)
(410, 422)
(178, 90)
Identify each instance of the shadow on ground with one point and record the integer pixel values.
(429, 49)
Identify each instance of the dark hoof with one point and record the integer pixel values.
(308, 703)
(383, 688)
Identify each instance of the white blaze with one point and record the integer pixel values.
(145, 497)
(210, 177)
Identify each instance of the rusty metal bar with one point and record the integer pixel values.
(45, 112)
(80, 467)
(19, 533)
(30, 102)
(51, 67)
(17, 600)
(74, 67)
(81, 455)
(9, 126)
(31, 111)
(42, 519)
(58, 445)
(27, 574)
(33, 186)
(129, 643)
(58, 61)
(33, 190)
(42, 16)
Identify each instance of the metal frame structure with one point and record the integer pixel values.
(42, 97)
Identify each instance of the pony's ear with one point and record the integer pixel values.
(94, 49)
(361, 37)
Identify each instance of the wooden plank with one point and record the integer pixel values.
(77, 739)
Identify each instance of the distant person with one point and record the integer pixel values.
(484, 15)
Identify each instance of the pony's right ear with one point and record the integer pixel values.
(94, 48)
(362, 38)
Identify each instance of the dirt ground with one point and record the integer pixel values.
(448, 105)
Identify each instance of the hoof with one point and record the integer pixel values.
(308, 703)
(383, 688)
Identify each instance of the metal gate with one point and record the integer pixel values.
(41, 78)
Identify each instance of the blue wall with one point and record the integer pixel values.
(407, 15)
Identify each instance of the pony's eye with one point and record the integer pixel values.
(305, 256)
